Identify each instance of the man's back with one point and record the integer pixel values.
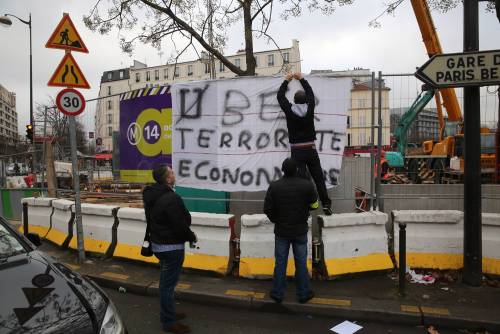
(287, 205)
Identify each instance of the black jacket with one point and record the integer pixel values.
(166, 215)
(287, 205)
(300, 129)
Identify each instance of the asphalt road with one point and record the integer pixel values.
(141, 315)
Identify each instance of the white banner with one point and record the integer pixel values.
(231, 135)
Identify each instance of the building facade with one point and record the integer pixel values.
(271, 62)
(8, 116)
(424, 127)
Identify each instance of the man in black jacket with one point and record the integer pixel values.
(169, 222)
(302, 134)
(287, 205)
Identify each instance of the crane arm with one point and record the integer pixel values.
(433, 46)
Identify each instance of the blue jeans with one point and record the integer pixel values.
(281, 247)
(171, 267)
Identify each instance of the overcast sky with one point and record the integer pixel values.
(340, 41)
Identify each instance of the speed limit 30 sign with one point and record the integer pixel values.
(70, 102)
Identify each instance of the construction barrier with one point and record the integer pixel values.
(61, 231)
(10, 203)
(130, 235)
(212, 249)
(491, 243)
(98, 221)
(434, 238)
(39, 214)
(355, 242)
(257, 248)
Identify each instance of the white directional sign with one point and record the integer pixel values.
(462, 69)
(70, 102)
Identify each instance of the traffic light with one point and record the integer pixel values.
(29, 132)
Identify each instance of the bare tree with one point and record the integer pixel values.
(198, 22)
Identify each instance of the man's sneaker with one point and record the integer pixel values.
(307, 298)
(327, 210)
(276, 299)
(178, 328)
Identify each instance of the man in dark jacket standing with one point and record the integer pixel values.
(169, 222)
(287, 205)
(302, 134)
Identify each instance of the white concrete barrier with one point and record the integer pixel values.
(61, 219)
(213, 231)
(491, 243)
(257, 247)
(97, 222)
(355, 242)
(130, 235)
(434, 238)
(39, 214)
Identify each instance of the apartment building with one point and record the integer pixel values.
(8, 115)
(424, 127)
(139, 75)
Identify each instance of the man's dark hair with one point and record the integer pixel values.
(160, 173)
(299, 97)
(289, 167)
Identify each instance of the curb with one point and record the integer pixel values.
(264, 305)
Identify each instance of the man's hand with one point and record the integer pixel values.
(297, 75)
(289, 77)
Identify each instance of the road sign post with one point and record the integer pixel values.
(70, 102)
(472, 274)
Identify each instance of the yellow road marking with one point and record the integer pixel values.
(328, 301)
(72, 266)
(410, 308)
(241, 293)
(435, 310)
(183, 286)
(115, 275)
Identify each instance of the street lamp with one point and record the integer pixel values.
(5, 20)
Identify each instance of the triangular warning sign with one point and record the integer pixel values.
(68, 74)
(66, 37)
(36, 295)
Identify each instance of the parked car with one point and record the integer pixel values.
(42, 295)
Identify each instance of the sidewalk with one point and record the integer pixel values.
(371, 297)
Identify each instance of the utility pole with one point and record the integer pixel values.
(472, 273)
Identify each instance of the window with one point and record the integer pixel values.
(222, 68)
(362, 120)
(109, 90)
(165, 73)
(256, 61)
(109, 105)
(207, 68)
(237, 62)
(121, 74)
(348, 139)
(362, 103)
(110, 75)
(362, 138)
(348, 122)
(110, 131)
(137, 77)
(270, 60)
(148, 76)
(157, 74)
(176, 72)
(286, 57)
(110, 118)
(190, 69)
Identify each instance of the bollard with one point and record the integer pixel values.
(25, 218)
(402, 258)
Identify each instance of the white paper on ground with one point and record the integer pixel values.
(346, 327)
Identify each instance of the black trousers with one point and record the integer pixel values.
(308, 157)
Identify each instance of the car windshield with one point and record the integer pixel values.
(9, 244)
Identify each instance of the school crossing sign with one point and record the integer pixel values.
(461, 69)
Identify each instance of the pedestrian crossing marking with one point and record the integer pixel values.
(183, 286)
(242, 293)
(435, 310)
(410, 308)
(329, 301)
(115, 275)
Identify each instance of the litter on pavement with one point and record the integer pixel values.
(419, 278)
(346, 327)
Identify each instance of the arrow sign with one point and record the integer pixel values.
(462, 69)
